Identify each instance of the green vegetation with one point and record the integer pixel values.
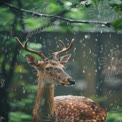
(114, 116)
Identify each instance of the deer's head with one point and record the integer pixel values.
(51, 70)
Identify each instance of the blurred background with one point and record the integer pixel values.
(96, 62)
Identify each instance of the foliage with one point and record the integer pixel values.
(22, 102)
(116, 4)
(114, 117)
(72, 9)
(117, 24)
(20, 117)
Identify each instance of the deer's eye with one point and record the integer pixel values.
(57, 69)
(48, 69)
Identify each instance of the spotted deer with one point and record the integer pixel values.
(68, 108)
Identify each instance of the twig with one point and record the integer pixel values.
(59, 17)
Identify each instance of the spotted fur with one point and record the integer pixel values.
(78, 109)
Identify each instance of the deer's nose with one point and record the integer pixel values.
(71, 81)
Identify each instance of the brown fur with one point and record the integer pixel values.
(44, 90)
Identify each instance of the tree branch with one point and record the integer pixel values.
(58, 17)
(21, 15)
(52, 20)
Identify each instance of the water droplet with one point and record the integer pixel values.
(23, 90)
(87, 36)
(83, 71)
(96, 40)
(95, 70)
(74, 50)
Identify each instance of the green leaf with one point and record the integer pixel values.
(114, 117)
(117, 24)
(19, 117)
(75, 14)
(118, 2)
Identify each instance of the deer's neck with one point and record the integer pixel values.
(44, 107)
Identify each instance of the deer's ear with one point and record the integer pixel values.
(64, 59)
(31, 60)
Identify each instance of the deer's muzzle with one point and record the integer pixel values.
(71, 81)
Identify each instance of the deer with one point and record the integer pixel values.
(67, 108)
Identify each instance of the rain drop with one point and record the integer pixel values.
(95, 70)
(87, 36)
(83, 71)
(23, 90)
(74, 50)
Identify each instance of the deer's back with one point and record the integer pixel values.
(77, 109)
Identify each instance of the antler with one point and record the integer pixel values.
(64, 49)
(30, 50)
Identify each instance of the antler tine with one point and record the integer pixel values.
(30, 50)
(62, 44)
(64, 49)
